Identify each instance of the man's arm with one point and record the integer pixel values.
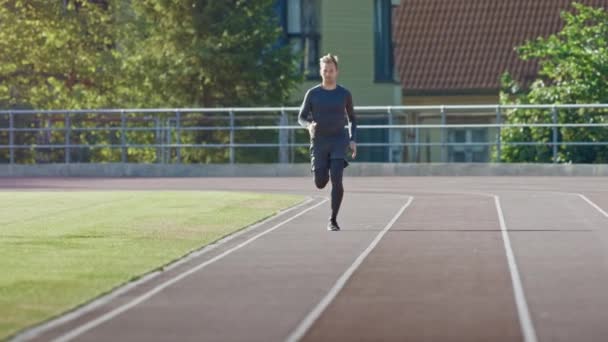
(351, 117)
(350, 112)
(305, 109)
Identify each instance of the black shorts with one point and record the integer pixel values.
(324, 149)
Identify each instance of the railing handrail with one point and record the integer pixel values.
(172, 132)
(297, 127)
(295, 109)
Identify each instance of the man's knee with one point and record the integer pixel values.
(321, 177)
(337, 185)
(337, 170)
(321, 182)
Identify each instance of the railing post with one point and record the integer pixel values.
(11, 137)
(178, 138)
(390, 136)
(231, 136)
(123, 137)
(158, 139)
(283, 138)
(498, 134)
(554, 115)
(416, 141)
(167, 141)
(443, 135)
(68, 128)
(292, 140)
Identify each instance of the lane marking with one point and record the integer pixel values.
(309, 320)
(527, 328)
(597, 207)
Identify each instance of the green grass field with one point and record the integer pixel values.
(61, 249)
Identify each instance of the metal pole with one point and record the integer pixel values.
(292, 140)
(11, 137)
(498, 134)
(231, 137)
(167, 140)
(390, 137)
(68, 128)
(157, 139)
(283, 139)
(443, 135)
(554, 114)
(178, 135)
(416, 140)
(123, 137)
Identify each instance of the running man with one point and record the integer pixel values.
(324, 112)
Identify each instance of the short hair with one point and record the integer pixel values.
(329, 58)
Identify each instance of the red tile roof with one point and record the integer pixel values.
(449, 46)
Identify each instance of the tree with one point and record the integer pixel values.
(57, 54)
(205, 53)
(573, 70)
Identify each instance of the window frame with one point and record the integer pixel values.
(384, 64)
(310, 71)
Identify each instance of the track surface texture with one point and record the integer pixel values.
(418, 259)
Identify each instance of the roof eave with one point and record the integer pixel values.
(450, 92)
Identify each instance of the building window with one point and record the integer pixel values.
(300, 20)
(468, 153)
(383, 44)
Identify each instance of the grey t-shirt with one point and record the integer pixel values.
(330, 109)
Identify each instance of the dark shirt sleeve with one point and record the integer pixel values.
(305, 110)
(351, 117)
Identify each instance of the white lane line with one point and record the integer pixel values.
(308, 321)
(597, 207)
(525, 321)
(119, 310)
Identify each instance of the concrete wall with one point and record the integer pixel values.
(297, 170)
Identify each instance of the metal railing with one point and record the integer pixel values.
(176, 135)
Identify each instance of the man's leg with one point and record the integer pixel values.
(321, 176)
(337, 189)
(319, 158)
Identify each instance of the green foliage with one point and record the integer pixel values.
(573, 68)
(56, 56)
(77, 54)
(206, 53)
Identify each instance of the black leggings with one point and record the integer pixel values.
(322, 176)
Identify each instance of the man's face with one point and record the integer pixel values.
(329, 73)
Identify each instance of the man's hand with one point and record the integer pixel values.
(311, 129)
(353, 148)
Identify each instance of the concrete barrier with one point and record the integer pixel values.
(297, 170)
